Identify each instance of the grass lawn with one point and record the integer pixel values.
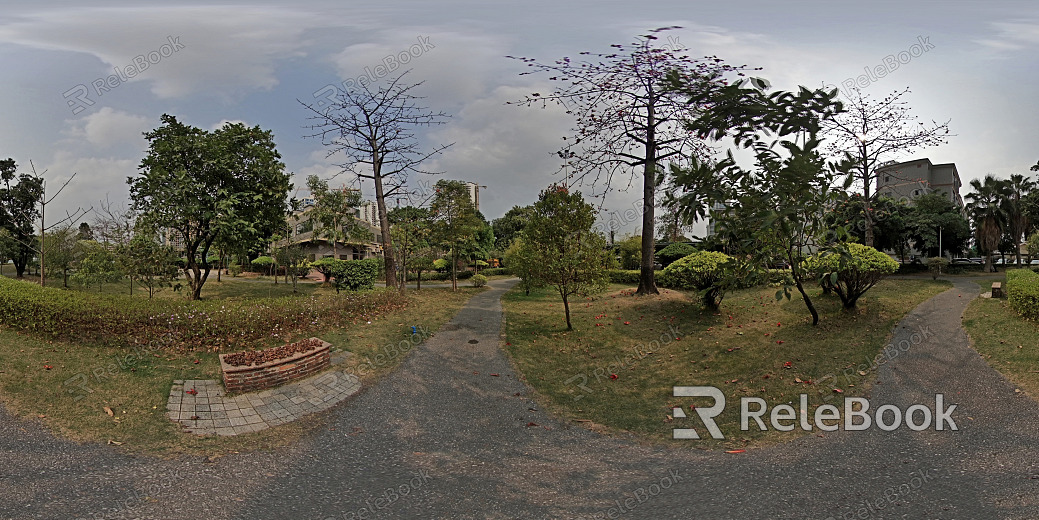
(1008, 342)
(616, 370)
(71, 396)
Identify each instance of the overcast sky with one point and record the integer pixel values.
(976, 64)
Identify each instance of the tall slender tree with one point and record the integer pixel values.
(454, 221)
(1018, 187)
(627, 121)
(987, 206)
(374, 127)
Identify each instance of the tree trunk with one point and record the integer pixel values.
(647, 281)
(384, 225)
(454, 268)
(566, 307)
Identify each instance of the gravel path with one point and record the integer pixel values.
(448, 435)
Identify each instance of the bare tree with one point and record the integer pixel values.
(872, 131)
(627, 119)
(375, 129)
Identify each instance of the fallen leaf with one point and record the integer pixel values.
(109, 412)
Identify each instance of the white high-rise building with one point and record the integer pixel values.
(368, 211)
(474, 193)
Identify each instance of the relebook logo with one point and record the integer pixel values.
(856, 414)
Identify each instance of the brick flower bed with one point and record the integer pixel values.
(256, 370)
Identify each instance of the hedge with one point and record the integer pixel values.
(1022, 288)
(178, 324)
(440, 277)
(624, 276)
(494, 271)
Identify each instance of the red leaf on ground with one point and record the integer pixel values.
(735, 451)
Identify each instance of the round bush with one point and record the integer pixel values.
(700, 271)
(850, 273)
(478, 280)
(674, 252)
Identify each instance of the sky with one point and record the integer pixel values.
(86, 79)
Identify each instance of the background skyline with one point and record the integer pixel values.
(254, 61)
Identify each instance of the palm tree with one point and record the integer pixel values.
(1019, 186)
(987, 207)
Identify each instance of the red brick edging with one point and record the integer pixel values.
(274, 373)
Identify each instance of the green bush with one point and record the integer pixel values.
(674, 251)
(937, 265)
(852, 271)
(701, 271)
(178, 324)
(495, 271)
(263, 264)
(1022, 289)
(624, 276)
(440, 264)
(478, 280)
(354, 275)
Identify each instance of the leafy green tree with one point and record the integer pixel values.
(935, 221)
(264, 264)
(987, 206)
(630, 251)
(98, 266)
(888, 218)
(201, 185)
(63, 251)
(19, 197)
(777, 205)
(573, 258)
(411, 231)
(523, 262)
(455, 221)
(479, 249)
(333, 215)
(510, 225)
(295, 261)
(422, 261)
(84, 232)
(148, 262)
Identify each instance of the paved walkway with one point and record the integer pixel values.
(453, 433)
(203, 407)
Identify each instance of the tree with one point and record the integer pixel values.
(627, 119)
(673, 252)
(423, 261)
(510, 225)
(63, 251)
(18, 212)
(454, 221)
(98, 266)
(776, 207)
(871, 131)
(295, 261)
(479, 249)
(375, 130)
(934, 222)
(887, 215)
(84, 232)
(200, 185)
(522, 261)
(333, 214)
(988, 211)
(148, 262)
(630, 251)
(571, 256)
(1018, 187)
(410, 235)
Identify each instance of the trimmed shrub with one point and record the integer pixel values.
(1022, 289)
(851, 273)
(701, 271)
(478, 280)
(674, 252)
(936, 265)
(624, 276)
(440, 264)
(355, 275)
(495, 271)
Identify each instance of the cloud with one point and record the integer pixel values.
(1011, 36)
(108, 127)
(221, 50)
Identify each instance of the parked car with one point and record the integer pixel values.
(966, 261)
